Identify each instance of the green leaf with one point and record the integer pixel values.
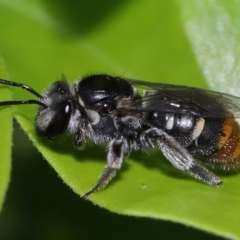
(6, 137)
(138, 39)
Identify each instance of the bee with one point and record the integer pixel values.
(192, 127)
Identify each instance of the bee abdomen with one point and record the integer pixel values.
(186, 129)
(215, 141)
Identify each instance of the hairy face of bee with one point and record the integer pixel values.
(187, 124)
(53, 120)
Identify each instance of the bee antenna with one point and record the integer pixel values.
(25, 87)
(31, 101)
(20, 85)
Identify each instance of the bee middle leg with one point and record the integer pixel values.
(118, 149)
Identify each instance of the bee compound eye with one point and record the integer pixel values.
(60, 121)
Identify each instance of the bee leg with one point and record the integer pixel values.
(79, 138)
(80, 134)
(180, 157)
(104, 179)
(118, 148)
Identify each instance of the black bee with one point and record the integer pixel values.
(185, 123)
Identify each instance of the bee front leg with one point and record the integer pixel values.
(118, 149)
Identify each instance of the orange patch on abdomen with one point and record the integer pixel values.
(228, 126)
(228, 155)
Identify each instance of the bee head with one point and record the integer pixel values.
(52, 120)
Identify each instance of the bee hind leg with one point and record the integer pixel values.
(118, 149)
(180, 157)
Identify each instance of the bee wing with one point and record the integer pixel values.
(181, 99)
